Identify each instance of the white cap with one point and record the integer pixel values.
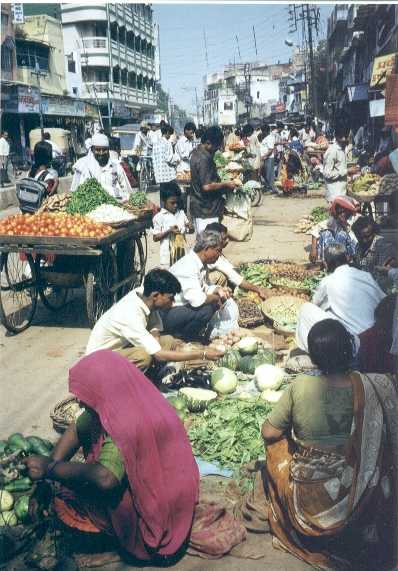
(99, 140)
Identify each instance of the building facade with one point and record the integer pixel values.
(8, 58)
(110, 58)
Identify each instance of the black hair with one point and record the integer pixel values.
(213, 135)
(341, 130)
(161, 281)
(247, 131)
(361, 223)
(265, 129)
(170, 189)
(217, 227)
(164, 128)
(42, 155)
(46, 136)
(331, 347)
(293, 133)
(190, 126)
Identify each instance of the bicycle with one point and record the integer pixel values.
(145, 173)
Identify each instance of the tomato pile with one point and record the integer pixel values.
(53, 224)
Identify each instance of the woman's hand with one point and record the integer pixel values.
(37, 466)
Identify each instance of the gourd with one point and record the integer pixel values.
(197, 399)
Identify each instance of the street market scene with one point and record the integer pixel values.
(198, 286)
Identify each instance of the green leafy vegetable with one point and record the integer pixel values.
(138, 199)
(319, 213)
(87, 197)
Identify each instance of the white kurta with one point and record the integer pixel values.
(335, 172)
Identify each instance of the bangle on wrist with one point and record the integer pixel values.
(50, 468)
(204, 355)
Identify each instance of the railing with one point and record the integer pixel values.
(96, 42)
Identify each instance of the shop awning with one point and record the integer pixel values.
(357, 92)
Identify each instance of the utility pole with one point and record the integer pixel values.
(248, 97)
(309, 16)
(197, 105)
(38, 75)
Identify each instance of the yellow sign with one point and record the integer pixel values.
(382, 67)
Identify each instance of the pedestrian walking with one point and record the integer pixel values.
(4, 158)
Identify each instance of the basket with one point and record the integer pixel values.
(273, 303)
(251, 321)
(139, 212)
(64, 413)
(291, 289)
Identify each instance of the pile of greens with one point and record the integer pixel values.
(229, 432)
(256, 274)
(138, 199)
(87, 197)
(313, 281)
(319, 214)
(220, 160)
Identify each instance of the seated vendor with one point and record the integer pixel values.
(335, 229)
(374, 354)
(139, 484)
(223, 273)
(133, 326)
(200, 303)
(329, 462)
(373, 250)
(346, 294)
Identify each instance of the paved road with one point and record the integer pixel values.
(34, 365)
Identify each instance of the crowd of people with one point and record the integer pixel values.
(328, 489)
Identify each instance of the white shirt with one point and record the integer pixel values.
(223, 265)
(4, 147)
(184, 148)
(56, 149)
(111, 177)
(154, 136)
(335, 171)
(163, 221)
(163, 161)
(141, 144)
(128, 322)
(351, 295)
(267, 146)
(192, 275)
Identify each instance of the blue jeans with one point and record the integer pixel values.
(269, 173)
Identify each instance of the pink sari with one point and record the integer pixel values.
(155, 513)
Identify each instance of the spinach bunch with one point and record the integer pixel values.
(88, 196)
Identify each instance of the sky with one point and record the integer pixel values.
(183, 28)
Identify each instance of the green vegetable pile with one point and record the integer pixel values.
(257, 274)
(138, 199)
(319, 214)
(220, 160)
(229, 432)
(87, 197)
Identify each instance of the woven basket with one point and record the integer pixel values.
(272, 303)
(253, 321)
(64, 413)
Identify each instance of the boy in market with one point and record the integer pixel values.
(170, 226)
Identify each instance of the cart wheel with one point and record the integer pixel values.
(256, 197)
(98, 283)
(53, 297)
(134, 263)
(18, 293)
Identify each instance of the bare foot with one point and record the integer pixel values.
(96, 559)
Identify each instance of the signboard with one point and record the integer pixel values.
(17, 13)
(28, 99)
(377, 108)
(391, 117)
(63, 106)
(382, 67)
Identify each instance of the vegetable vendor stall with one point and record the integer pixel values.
(49, 253)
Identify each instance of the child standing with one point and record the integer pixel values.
(170, 226)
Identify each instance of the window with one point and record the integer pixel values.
(71, 65)
(6, 59)
(75, 91)
(33, 55)
(4, 20)
(228, 106)
(258, 95)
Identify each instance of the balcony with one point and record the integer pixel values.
(95, 51)
(77, 13)
(338, 17)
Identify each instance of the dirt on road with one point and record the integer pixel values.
(35, 363)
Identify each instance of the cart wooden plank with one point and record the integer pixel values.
(69, 242)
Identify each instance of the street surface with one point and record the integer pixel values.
(35, 363)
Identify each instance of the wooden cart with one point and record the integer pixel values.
(48, 267)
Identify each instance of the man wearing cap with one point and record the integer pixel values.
(142, 143)
(98, 164)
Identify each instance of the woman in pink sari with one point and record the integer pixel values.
(140, 482)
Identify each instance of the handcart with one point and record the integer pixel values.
(49, 267)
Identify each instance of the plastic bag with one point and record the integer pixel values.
(238, 205)
(225, 319)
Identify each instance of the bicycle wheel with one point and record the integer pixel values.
(99, 281)
(143, 178)
(18, 292)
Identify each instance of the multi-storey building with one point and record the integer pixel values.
(8, 61)
(110, 51)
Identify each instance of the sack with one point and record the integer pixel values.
(31, 193)
(239, 230)
(238, 205)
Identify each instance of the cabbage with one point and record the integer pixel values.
(6, 501)
(224, 381)
(248, 345)
(271, 396)
(268, 377)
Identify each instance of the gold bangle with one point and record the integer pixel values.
(204, 355)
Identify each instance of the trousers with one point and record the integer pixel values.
(187, 322)
(141, 358)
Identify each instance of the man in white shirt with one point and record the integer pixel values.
(142, 143)
(335, 166)
(163, 158)
(267, 151)
(223, 272)
(154, 134)
(184, 147)
(4, 155)
(199, 300)
(98, 164)
(56, 150)
(133, 326)
(346, 294)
